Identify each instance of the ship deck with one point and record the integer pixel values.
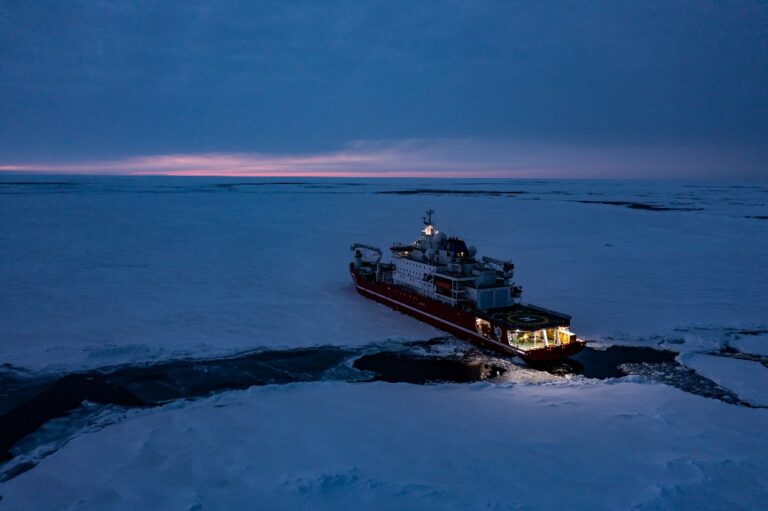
(526, 317)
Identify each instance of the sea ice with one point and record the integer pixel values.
(396, 446)
(752, 344)
(105, 270)
(746, 378)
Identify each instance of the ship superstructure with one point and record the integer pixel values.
(439, 280)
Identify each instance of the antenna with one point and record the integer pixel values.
(429, 229)
(428, 219)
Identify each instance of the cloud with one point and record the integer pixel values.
(110, 79)
(461, 157)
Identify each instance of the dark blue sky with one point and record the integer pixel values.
(680, 82)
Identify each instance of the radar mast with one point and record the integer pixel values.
(429, 228)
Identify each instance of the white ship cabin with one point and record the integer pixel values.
(445, 268)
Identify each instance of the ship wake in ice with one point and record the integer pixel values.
(42, 413)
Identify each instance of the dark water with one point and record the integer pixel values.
(155, 384)
(29, 404)
(392, 366)
(607, 363)
(396, 367)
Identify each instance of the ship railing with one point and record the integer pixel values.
(535, 343)
(547, 311)
(436, 296)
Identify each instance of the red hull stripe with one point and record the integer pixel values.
(422, 313)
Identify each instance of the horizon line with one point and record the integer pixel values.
(437, 158)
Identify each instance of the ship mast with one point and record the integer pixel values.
(429, 229)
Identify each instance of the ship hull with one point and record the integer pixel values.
(459, 323)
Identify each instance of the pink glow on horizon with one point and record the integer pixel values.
(353, 163)
(454, 158)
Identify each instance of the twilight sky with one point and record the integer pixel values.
(550, 89)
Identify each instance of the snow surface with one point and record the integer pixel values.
(100, 271)
(747, 378)
(752, 344)
(104, 271)
(398, 446)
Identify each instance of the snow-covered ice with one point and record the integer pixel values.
(98, 271)
(106, 271)
(399, 446)
(752, 344)
(746, 378)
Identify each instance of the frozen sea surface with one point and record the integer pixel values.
(747, 378)
(97, 273)
(752, 344)
(397, 446)
(100, 271)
